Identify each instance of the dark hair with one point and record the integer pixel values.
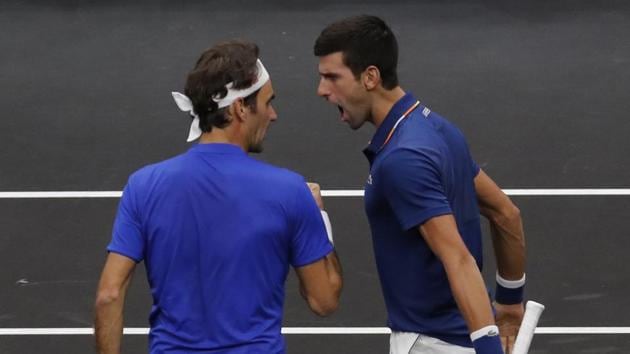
(230, 61)
(364, 40)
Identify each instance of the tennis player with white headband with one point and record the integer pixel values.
(217, 229)
(185, 104)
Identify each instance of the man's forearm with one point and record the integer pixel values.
(470, 293)
(505, 224)
(509, 245)
(110, 301)
(108, 326)
(334, 272)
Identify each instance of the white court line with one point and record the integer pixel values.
(302, 330)
(325, 193)
(516, 192)
(568, 192)
(60, 194)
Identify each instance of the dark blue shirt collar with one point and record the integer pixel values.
(398, 109)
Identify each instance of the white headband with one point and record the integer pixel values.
(185, 104)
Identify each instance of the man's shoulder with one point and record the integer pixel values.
(410, 154)
(422, 131)
(276, 173)
(150, 171)
(434, 127)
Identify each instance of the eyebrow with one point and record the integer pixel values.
(271, 98)
(329, 75)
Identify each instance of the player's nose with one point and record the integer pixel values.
(322, 89)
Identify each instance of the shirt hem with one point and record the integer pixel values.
(125, 254)
(329, 249)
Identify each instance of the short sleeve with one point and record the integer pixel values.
(309, 241)
(127, 237)
(412, 182)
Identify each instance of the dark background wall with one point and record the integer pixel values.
(540, 89)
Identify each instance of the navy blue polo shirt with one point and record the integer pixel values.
(423, 171)
(217, 231)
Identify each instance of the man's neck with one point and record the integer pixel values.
(383, 102)
(221, 136)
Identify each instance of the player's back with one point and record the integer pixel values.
(217, 249)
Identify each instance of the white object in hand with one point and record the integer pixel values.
(328, 226)
(533, 310)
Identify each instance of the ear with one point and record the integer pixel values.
(238, 109)
(371, 77)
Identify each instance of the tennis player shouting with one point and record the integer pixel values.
(423, 199)
(216, 229)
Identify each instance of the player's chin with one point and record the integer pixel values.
(354, 125)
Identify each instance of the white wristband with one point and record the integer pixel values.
(328, 226)
(510, 284)
(490, 331)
